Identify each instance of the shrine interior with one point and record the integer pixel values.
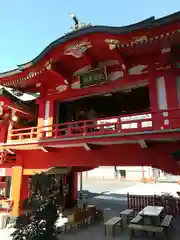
(127, 101)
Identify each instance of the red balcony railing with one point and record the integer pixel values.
(135, 123)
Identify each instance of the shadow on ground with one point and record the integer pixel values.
(96, 232)
(86, 194)
(103, 195)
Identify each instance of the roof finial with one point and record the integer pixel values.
(77, 24)
(73, 15)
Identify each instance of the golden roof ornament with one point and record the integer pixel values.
(113, 43)
(77, 24)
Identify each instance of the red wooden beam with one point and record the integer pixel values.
(56, 75)
(128, 80)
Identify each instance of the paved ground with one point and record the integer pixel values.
(99, 186)
(96, 231)
(108, 187)
(111, 196)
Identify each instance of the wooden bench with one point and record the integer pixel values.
(126, 214)
(76, 219)
(136, 220)
(167, 221)
(146, 228)
(113, 222)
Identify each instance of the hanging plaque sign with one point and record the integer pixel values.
(93, 77)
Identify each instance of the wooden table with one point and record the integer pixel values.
(151, 211)
(152, 215)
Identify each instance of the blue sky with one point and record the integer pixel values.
(28, 26)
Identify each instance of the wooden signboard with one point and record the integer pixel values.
(93, 77)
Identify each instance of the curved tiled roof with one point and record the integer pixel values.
(17, 102)
(148, 23)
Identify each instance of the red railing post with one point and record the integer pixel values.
(55, 130)
(39, 132)
(31, 133)
(70, 130)
(118, 125)
(84, 129)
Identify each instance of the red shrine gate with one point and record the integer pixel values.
(106, 96)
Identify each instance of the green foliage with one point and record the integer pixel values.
(39, 212)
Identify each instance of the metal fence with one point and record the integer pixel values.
(170, 204)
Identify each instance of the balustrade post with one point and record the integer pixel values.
(139, 125)
(70, 130)
(84, 129)
(156, 120)
(9, 136)
(33, 132)
(118, 125)
(55, 129)
(20, 137)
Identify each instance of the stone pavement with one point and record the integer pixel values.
(132, 187)
(96, 230)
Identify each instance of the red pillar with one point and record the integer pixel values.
(152, 89)
(4, 132)
(74, 182)
(52, 112)
(171, 89)
(19, 189)
(24, 188)
(41, 113)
